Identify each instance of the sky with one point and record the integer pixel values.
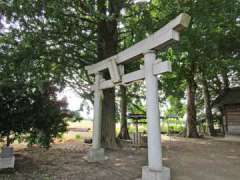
(139, 1)
(75, 101)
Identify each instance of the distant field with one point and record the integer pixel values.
(75, 130)
(165, 126)
(81, 124)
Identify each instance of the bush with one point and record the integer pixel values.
(31, 113)
(172, 126)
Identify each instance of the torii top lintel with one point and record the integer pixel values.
(167, 35)
(160, 39)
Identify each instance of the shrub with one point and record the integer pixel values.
(31, 113)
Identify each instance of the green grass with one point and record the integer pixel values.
(78, 137)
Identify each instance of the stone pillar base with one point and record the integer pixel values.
(148, 174)
(95, 155)
(7, 162)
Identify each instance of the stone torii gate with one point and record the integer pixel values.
(147, 48)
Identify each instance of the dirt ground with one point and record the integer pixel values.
(205, 159)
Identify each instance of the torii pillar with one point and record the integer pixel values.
(97, 152)
(155, 169)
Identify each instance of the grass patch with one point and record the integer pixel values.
(78, 137)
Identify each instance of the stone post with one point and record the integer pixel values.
(7, 158)
(155, 170)
(97, 153)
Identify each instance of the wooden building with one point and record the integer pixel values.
(229, 104)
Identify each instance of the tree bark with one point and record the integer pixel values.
(8, 140)
(108, 138)
(225, 80)
(207, 106)
(107, 43)
(123, 109)
(191, 107)
(223, 123)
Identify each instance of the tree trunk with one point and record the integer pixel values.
(108, 119)
(191, 109)
(107, 44)
(123, 109)
(8, 140)
(223, 122)
(207, 106)
(225, 80)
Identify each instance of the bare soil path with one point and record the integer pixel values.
(189, 159)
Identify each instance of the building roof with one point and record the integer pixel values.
(230, 96)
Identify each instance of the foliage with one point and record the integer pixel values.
(48, 114)
(176, 107)
(31, 113)
(14, 111)
(75, 117)
(53, 39)
(172, 126)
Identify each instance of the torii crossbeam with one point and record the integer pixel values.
(147, 48)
